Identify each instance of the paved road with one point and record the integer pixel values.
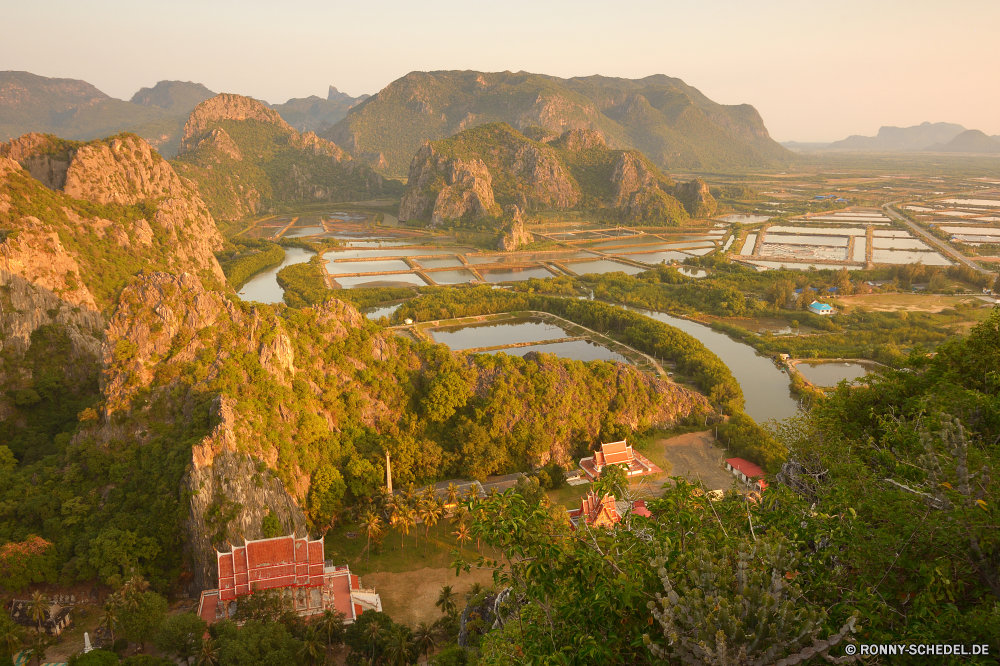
(944, 247)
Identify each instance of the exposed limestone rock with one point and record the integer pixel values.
(697, 198)
(220, 140)
(226, 106)
(550, 184)
(33, 151)
(514, 235)
(36, 254)
(582, 139)
(630, 175)
(469, 190)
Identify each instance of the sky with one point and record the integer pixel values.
(815, 70)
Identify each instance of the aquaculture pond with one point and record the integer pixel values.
(492, 334)
(577, 350)
(397, 280)
(602, 266)
(514, 274)
(386, 311)
(832, 373)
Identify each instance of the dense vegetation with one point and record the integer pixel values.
(671, 122)
(242, 258)
(272, 170)
(883, 530)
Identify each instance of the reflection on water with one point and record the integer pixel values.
(377, 313)
(512, 331)
(830, 374)
(298, 232)
(603, 266)
(452, 277)
(765, 386)
(692, 272)
(397, 280)
(738, 218)
(658, 257)
(514, 274)
(577, 350)
(440, 263)
(263, 287)
(341, 267)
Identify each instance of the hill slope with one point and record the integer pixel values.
(969, 141)
(314, 114)
(246, 158)
(493, 171)
(917, 137)
(671, 122)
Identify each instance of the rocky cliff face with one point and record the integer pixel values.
(697, 198)
(514, 236)
(310, 169)
(227, 107)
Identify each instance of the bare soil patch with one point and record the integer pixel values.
(897, 302)
(409, 597)
(695, 457)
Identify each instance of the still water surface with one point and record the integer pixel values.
(830, 374)
(263, 287)
(508, 332)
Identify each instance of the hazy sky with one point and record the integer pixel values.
(816, 71)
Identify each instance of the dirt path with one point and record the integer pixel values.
(694, 456)
(409, 597)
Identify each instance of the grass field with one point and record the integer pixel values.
(907, 302)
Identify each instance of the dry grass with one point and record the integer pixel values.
(409, 597)
(897, 302)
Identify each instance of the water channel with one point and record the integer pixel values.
(263, 287)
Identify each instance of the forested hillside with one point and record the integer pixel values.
(245, 159)
(675, 125)
(493, 173)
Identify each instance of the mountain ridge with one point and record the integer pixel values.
(674, 124)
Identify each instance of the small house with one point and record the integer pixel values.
(57, 617)
(821, 308)
(747, 472)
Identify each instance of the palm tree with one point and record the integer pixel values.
(452, 493)
(471, 493)
(400, 649)
(459, 515)
(38, 608)
(371, 525)
(209, 655)
(39, 645)
(431, 513)
(331, 626)
(406, 518)
(373, 632)
(462, 535)
(10, 639)
(110, 618)
(446, 600)
(312, 646)
(425, 639)
(475, 590)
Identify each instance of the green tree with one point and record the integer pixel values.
(11, 636)
(38, 608)
(312, 648)
(425, 639)
(446, 600)
(96, 657)
(400, 650)
(261, 606)
(371, 525)
(326, 494)
(430, 513)
(447, 393)
(115, 553)
(110, 618)
(140, 623)
(331, 626)
(181, 635)
(270, 526)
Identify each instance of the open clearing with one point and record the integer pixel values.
(409, 597)
(896, 302)
(693, 456)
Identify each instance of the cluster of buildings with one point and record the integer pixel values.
(295, 569)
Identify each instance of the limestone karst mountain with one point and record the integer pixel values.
(888, 139)
(672, 123)
(969, 141)
(245, 158)
(315, 114)
(495, 172)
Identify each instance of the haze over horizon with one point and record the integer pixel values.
(816, 72)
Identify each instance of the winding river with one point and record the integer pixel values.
(264, 287)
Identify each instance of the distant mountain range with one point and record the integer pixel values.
(930, 137)
(672, 123)
(73, 109)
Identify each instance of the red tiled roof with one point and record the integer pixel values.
(358, 610)
(639, 509)
(268, 552)
(745, 466)
(316, 552)
(341, 588)
(616, 452)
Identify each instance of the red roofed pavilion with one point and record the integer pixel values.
(618, 453)
(293, 566)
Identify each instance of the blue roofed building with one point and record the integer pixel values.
(821, 308)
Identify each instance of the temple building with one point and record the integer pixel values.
(295, 568)
(605, 512)
(618, 453)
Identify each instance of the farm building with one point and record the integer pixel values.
(746, 471)
(821, 308)
(618, 453)
(57, 618)
(295, 568)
